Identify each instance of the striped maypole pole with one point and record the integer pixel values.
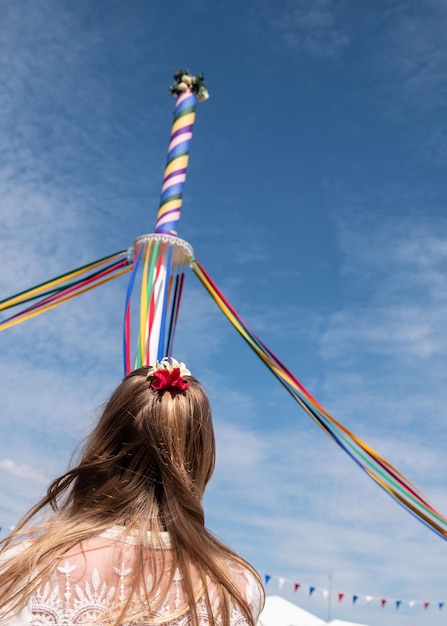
(188, 90)
(162, 256)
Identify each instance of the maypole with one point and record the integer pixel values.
(161, 257)
(159, 260)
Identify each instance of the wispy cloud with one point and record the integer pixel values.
(23, 471)
(298, 26)
(416, 49)
(389, 342)
(399, 269)
(411, 67)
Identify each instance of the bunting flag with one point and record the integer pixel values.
(60, 289)
(313, 590)
(375, 466)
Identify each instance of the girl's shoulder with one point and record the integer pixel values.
(251, 588)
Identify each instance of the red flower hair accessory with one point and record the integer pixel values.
(168, 374)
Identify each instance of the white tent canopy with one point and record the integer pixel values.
(341, 622)
(280, 612)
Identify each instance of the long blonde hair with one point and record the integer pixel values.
(145, 467)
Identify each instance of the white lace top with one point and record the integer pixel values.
(89, 583)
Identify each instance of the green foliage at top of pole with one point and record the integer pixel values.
(184, 80)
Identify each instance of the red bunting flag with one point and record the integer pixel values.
(426, 605)
(383, 601)
(296, 586)
(340, 596)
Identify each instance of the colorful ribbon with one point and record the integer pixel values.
(160, 261)
(62, 288)
(377, 468)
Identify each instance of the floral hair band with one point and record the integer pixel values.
(168, 374)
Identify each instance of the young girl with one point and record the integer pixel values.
(126, 542)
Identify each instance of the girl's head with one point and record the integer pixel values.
(145, 466)
(150, 456)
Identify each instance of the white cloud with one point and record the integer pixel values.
(399, 270)
(395, 331)
(411, 68)
(298, 26)
(417, 50)
(23, 471)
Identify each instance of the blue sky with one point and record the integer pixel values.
(316, 198)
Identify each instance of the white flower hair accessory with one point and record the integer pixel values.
(168, 374)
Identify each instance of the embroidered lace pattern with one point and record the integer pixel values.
(88, 586)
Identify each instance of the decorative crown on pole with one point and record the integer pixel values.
(185, 81)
